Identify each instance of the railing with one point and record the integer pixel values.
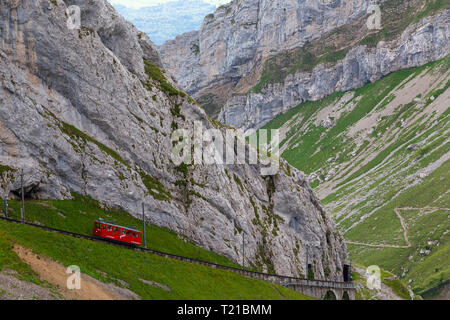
(322, 284)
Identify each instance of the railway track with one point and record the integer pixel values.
(252, 274)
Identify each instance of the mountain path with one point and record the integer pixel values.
(55, 273)
(404, 226)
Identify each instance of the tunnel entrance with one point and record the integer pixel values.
(345, 296)
(30, 192)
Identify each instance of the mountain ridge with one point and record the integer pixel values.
(248, 77)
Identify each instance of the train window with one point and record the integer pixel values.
(109, 228)
(116, 230)
(134, 234)
(128, 233)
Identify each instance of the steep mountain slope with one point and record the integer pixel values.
(371, 132)
(135, 275)
(77, 215)
(89, 111)
(379, 159)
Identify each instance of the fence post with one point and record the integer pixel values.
(307, 261)
(143, 222)
(5, 203)
(243, 250)
(23, 197)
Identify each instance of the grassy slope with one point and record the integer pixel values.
(425, 271)
(79, 214)
(382, 184)
(109, 263)
(305, 156)
(363, 292)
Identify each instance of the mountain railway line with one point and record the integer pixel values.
(310, 287)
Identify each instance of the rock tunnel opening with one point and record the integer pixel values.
(31, 192)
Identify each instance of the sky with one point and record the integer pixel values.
(163, 20)
(136, 4)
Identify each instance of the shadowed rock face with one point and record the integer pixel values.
(240, 36)
(79, 113)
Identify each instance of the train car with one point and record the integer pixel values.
(109, 230)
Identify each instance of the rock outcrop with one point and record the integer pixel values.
(238, 38)
(419, 44)
(88, 111)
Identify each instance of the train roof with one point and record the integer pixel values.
(116, 225)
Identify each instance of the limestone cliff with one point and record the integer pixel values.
(256, 59)
(88, 111)
(419, 44)
(238, 38)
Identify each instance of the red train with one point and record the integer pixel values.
(115, 233)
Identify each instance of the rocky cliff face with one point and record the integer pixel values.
(239, 37)
(419, 44)
(82, 111)
(223, 62)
